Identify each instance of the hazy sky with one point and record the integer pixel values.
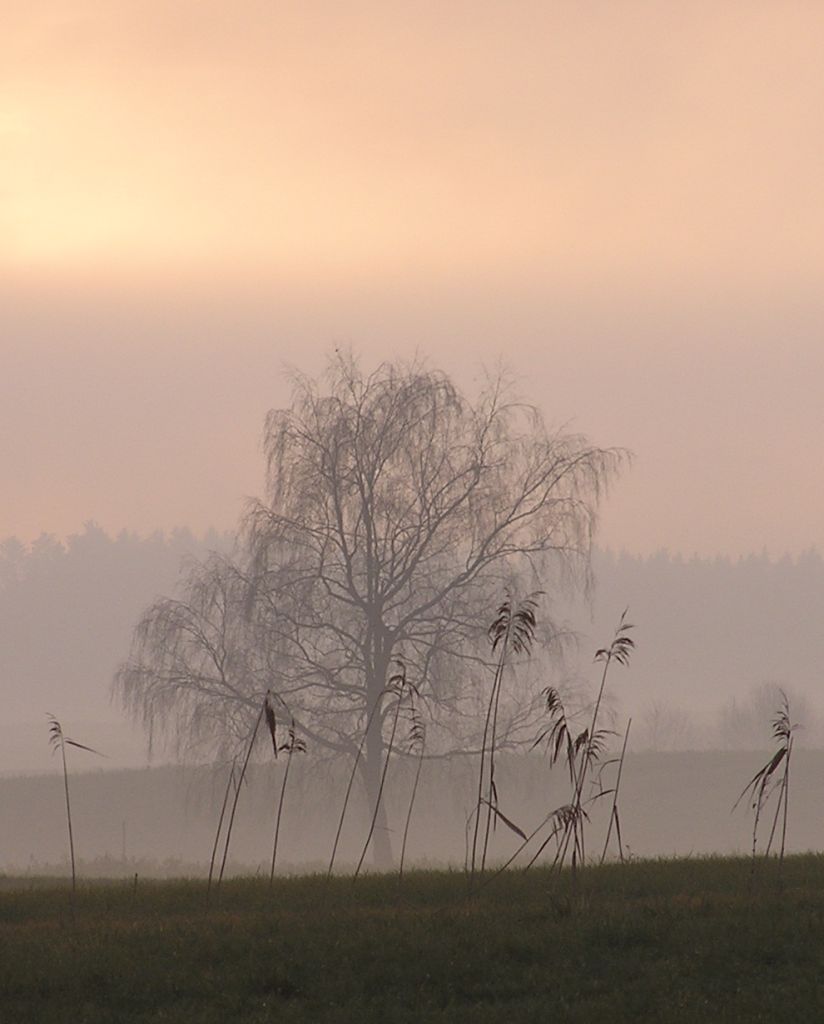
(624, 200)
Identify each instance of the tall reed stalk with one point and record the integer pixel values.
(591, 744)
(294, 744)
(266, 714)
(581, 753)
(358, 754)
(229, 783)
(59, 741)
(513, 628)
(767, 781)
(417, 743)
(397, 686)
(614, 817)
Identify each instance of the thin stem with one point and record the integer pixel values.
(758, 807)
(409, 812)
(613, 814)
(522, 847)
(220, 825)
(358, 754)
(493, 738)
(574, 823)
(786, 792)
(258, 720)
(540, 850)
(280, 807)
(479, 803)
(472, 814)
(618, 836)
(380, 787)
(781, 805)
(68, 813)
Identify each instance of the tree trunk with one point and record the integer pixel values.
(372, 766)
(377, 656)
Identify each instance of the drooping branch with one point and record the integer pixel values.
(395, 510)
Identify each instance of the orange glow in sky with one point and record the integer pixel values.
(575, 139)
(612, 195)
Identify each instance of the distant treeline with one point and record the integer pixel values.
(67, 611)
(715, 638)
(713, 634)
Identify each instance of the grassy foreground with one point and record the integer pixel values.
(663, 941)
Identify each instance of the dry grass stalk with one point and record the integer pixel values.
(397, 686)
(592, 742)
(513, 628)
(294, 744)
(231, 781)
(767, 781)
(358, 754)
(266, 714)
(582, 753)
(59, 741)
(417, 744)
(614, 817)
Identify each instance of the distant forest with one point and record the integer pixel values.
(67, 611)
(714, 636)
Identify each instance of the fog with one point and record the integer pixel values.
(711, 636)
(622, 202)
(162, 822)
(616, 207)
(716, 395)
(715, 638)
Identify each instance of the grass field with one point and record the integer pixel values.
(663, 941)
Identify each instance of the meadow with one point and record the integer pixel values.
(681, 940)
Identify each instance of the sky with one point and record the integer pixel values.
(621, 201)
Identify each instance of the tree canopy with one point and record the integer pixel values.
(396, 511)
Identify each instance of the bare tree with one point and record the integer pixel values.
(742, 723)
(195, 675)
(667, 726)
(396, 511)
